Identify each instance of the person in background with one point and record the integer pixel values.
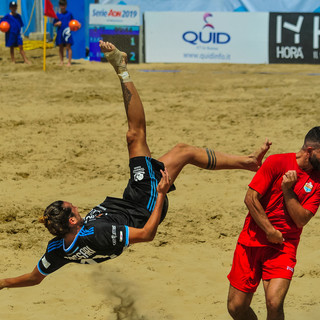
(13, 36)
(64, 36)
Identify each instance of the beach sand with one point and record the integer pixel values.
(62, 136)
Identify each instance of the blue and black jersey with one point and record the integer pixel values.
(105, 233)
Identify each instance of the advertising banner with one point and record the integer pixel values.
(117, 24)
(100, 14)
(205, 37)
(294, 38)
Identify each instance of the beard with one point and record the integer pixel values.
(314, 162)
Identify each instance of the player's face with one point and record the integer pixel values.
(315, 159)
(13, 9)
(63, 8)
(75, 212)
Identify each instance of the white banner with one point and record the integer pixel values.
(206, 37)
(114, 15)
(223, 5)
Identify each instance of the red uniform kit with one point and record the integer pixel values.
(255, 257)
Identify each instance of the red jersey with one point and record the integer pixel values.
(267, 182)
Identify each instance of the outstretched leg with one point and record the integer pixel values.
(136, 135)
(183, 154)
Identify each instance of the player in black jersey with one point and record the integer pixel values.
(114, 224)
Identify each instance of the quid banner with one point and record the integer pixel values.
(294, 38)
(206, 37)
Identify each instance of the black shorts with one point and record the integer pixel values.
(142, 186)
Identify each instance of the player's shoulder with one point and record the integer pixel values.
(55, 243)
(280, 157)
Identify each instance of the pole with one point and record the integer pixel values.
(44, 43)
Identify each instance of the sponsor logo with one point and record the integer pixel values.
(290, 269)
(121, 236)
(45, 262)
(99, 13)
(83, 253)
(289, 52)
(206, 36)
(114, 235)
(138, 173)
(205, 17)
(308, 187)
(114, 13)
(66, 34)
(95, 213)
(294, 37)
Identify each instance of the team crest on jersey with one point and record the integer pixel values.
(308, 187)
(138, 173)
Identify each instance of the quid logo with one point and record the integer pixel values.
(207, 35)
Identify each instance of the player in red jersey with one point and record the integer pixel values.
(282, 197)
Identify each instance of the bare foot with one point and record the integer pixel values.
(27, 62)
(255, 159)
(117, 59)
(61, 63)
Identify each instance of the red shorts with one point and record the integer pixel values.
(251, 264)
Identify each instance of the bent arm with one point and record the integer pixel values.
(259, 216)
(148, 232)
(297, 212)
(26, 280)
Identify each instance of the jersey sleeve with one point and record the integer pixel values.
(264, 176)
(112, 236)
(50, 262)
(312, 204)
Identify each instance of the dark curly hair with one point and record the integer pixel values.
(56, 218)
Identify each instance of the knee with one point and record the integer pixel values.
(274, 306)
(239, 310)
(135, 135)
(182, 148)
(235, 310)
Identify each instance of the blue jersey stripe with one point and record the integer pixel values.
(127, 235)
(55, 245)
(154, 183)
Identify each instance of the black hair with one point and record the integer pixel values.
(62, 2)
(56, 218)
(312, 138)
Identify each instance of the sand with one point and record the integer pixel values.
(62, 136)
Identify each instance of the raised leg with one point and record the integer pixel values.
(183, 154)
(136, 134)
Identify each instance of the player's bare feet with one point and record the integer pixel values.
(255, 159)
(117, 59)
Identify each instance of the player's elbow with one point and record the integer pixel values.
(35, 281)
(148, 235)
(248, 200)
